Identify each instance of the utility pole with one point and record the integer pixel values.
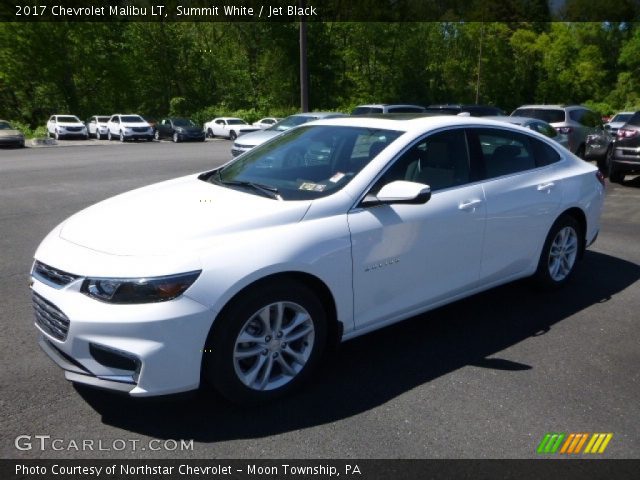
(304, 73)
(479, 65)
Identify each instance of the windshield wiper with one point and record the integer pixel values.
(266, 190)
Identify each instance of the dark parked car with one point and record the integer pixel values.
(179, 130)
(625, 157)
(10, 136)
(472, 109)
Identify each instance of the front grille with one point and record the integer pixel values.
(74, 129)
(50, 275)
(140, 129)
(50, 318)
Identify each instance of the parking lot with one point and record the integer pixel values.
(486, 377)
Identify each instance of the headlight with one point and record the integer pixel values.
(138, 290)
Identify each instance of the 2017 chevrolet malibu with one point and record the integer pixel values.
(241, 276)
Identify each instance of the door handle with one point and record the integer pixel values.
(545, 187)
(469, 205)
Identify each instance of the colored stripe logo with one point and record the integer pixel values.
(573, 443)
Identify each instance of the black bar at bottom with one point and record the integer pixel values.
(536, 469)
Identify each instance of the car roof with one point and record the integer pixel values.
(553, 107)
(514, 119)
(418, 123)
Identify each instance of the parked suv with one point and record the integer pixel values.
(128, 127)
(60, 126)
(97, 126)
(575, 121)
(626, 150)
(386, 108)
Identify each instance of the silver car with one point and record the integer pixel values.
(575, 121)
(250, 140)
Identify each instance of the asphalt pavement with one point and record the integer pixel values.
(486, 377)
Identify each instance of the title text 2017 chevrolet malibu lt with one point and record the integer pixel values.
(241, 276)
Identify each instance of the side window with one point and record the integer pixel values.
(544, 154)
(577, 115)
(504, 152)
(440, 160)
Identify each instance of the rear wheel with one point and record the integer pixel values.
(559, 253)
(210, 133)
(233, 135)
(266, 343)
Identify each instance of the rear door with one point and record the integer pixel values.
(523, 191)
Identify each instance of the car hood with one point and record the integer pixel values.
(11, 133)
(172, 216)
(258, 137)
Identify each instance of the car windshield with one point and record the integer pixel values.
(183, 122)
(5, 126)
(305, 163)
(132, 119)
(103, 119)
(546, 114)
(621, 117)
(236, 121)
(68, 119)
(290, 122)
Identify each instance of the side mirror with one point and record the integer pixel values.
(400, 191)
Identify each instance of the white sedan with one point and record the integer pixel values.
(266, 122)
(228, 127)
(242, 276)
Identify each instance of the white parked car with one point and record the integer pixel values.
(97, 126)
(228, 127)
(266, 122)
(334, 229)
(64, 126)
(128, 127)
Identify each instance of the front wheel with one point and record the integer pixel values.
(109, 137)
(156, 135)
(559, 253)
(266, 343)
(98, 136)
(176, 137)
(121, 136)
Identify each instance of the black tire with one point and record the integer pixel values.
(156, 135)
(220, 366)
(210, 133)
(57, 135)
(109, 137)
(121, 138)
(615, 175)
(604, 164)
(544, 277)
(176, 137)
(233, 135)
(98, 137)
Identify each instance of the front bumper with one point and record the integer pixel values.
(151, 349)
(12, 141)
